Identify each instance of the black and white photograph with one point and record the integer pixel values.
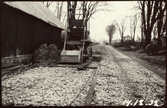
(83, 53)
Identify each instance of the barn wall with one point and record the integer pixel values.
(22, 34)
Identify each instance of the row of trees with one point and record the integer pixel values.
(153, 15)
(153, 21)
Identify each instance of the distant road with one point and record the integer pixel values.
(123, 81)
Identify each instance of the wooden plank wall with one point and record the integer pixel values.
(22, 33)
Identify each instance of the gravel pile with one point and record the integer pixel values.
(46, 55)
(44, 86)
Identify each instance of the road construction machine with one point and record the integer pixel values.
(76, 40)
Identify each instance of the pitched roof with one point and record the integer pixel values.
(39, 10)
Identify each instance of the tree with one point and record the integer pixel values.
(110, 29)
(161, 20)
(58, 11)
(133, 25)
(85, 9)
(121, 28)
(151, 11)
(90, 7)
(94, 6)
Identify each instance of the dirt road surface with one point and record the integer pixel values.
(122, 81)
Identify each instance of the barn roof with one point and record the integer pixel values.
(38, 10)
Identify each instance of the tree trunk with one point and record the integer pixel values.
(57, 10)
(134, 36)
(61, 8)
(122, 40)
(148, 37)
(159, 32)
(142, 33)
(109, 40)
(122, 37)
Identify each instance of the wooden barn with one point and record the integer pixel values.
(26, 26)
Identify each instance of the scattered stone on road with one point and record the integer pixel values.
(121, 81)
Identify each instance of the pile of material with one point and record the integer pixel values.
(46, 55)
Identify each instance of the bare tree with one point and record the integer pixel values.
(93, 7)
(133, 25)
(150, 12)
(121, 28)
(155, 30)
(58, 10)
(90, 7)
(161, 20)
(110, 31)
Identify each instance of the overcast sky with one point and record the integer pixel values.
(99, 21)
(119, 9)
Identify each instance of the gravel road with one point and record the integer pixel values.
(121, 81)
(46, 86)
(124, 82)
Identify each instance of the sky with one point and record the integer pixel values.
(119, 9)
(100, 20)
